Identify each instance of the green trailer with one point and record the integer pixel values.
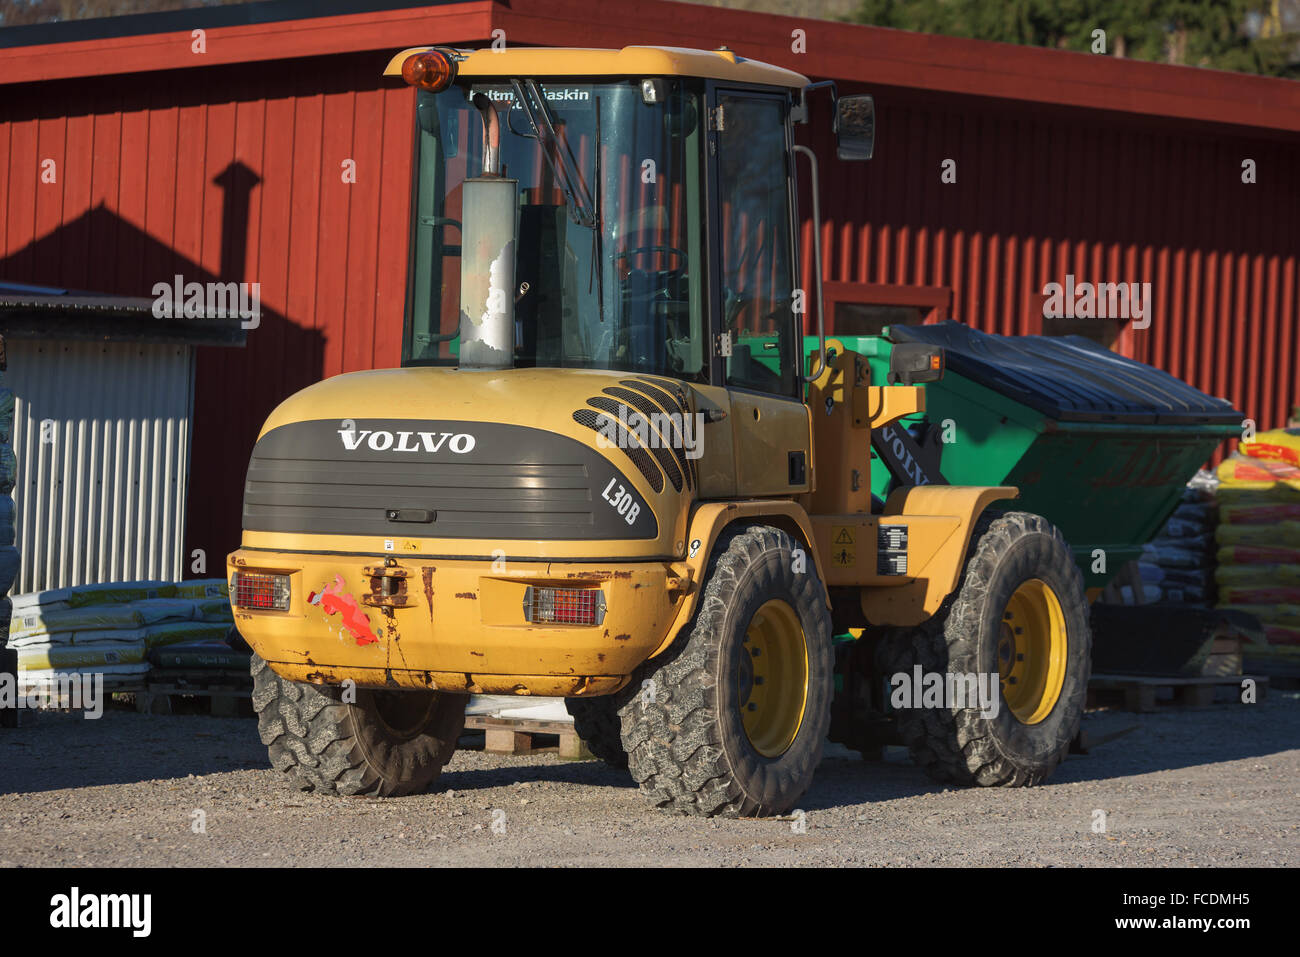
(1098, 444)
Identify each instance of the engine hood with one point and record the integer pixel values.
(476, 456)
(528, 397)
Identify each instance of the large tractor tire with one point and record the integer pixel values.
(387, 743)
(1019, 612)
(732, 719)
(596, 722)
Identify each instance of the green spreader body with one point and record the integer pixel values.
(1100, 445)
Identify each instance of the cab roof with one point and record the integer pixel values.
(720, 64)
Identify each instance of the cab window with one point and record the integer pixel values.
(757, 267)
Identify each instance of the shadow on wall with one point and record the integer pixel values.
(126, 260)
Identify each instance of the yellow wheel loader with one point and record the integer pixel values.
(606, 472)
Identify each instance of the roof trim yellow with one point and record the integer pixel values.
(629, 61)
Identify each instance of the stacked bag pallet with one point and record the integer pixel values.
(8, 468)
(1178, 565)
(8, 553)
(1259, 540)
(115, 629)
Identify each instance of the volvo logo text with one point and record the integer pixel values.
(380, 441)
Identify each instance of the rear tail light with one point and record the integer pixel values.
(261, 591)
(564, 606)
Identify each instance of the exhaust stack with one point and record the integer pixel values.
(487, 266)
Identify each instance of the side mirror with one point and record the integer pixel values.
(912, 362)
(855, 127)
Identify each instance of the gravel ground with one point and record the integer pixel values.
(1210, 788)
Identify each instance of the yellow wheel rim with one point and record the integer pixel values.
(772, 678)
(1032, 649)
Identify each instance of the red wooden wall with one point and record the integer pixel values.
(1106, 197)
(230, 173)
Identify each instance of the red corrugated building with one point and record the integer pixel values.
(227, 164)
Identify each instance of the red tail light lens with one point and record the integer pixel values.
(564, 606)
(259, 591)
(432, 70)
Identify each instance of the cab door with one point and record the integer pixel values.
(758, 342)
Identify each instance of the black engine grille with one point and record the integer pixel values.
(515, 483)
(666, 455)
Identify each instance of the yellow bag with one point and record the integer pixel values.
(1264, 513)
(203, 588)
(1257, 576)
(1281, 635)
(1276, 535)
(1260, 594)
(1246, 472)
(1258, 555)
(80, 656)
(1277, 445)
(37, 621)
(1256, 493)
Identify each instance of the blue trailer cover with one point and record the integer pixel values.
(1070, 378)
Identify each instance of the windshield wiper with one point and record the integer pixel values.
(581, 208)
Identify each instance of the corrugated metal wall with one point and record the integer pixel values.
(1043, 193)
(224, 173)
(102, 433)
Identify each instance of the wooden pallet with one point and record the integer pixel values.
(228, 693)
(8, 673)
(1143, 693)
(517, 736)
(1101, 727)
(1283, 675)
(113, 684)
